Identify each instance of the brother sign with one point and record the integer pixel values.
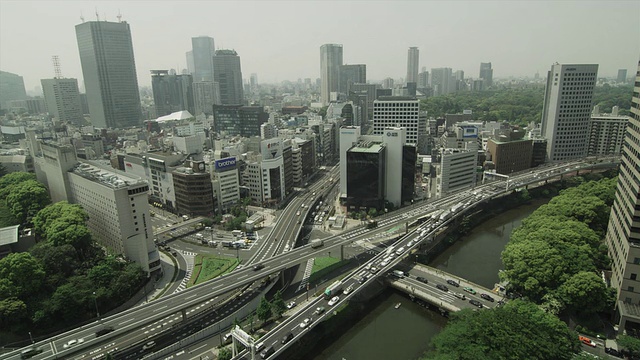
(225, 163)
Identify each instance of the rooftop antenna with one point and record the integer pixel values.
(119, 16)
(56, 66)
(97, 15)
(81, 17)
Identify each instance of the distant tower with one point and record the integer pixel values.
(61, 96)
(228, 74)
(486, 74)
(109, 70)
(330, 62)
(203, 50)
(622, 75)
(56, 66)
(566, 127)
(413, 59)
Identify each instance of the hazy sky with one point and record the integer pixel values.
(280, 40)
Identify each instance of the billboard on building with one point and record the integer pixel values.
(225, 164)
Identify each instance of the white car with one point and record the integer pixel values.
(73, 342)
(348, 290)
(334, 300)
(291, 305)
(305, 322)
(400, 251)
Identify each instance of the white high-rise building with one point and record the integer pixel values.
(118, 209)
(413, 59)
(62, 99)
(396, 111)
(567, 110)
(330, 62)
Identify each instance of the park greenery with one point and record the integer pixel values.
(266, 310)
(519, 106)
(554, 257)
(207, 267)
(65, 278)
(517, 330)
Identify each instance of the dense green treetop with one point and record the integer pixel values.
(264, 310)
(26, 199)
(586, 292)
(278, 306)
(517, 330)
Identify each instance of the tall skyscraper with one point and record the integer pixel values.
(486, 74)
(352, 74)
(11, 88)
(413, 62)
(228, 74)
(423, 78)
(109, 70)
(330, 61)
(172, 93)
(62, 99)
(622, 75)
(386, 112)
(623, 232)
(202, 53)
(567, 110)
(441, 79)
(205, 95)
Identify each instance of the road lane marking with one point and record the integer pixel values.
(161, 308)
(126, 321)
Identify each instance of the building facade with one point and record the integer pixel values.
(228, 75)
(397, 112)
(201, 57)
(413, 63)
(440, 80)
(193, 190)
(352, 74)
(365, 168)
(226, 183)
(623, 231)
(457, 171)
(62, 100)
(567, 110)
(511, 156)
(206, 94)
(486, 75)
(330, 62)
(109, 71)
(239, 120)
(11, 88)
(606, 133)
(118, 209)
(172, 93)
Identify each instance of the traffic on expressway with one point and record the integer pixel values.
(273, 258)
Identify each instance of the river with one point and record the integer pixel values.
(404, 333)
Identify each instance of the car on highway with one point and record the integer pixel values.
(442, 287)
(384, 263)
(319, 310)
(475, 303)
(469, 290)
(453, 283)
(348, 290)
(460, 296)
(257, 267)
(226, 338)
(287, 337)
(150, 345)
(400, 251)
(29, 353)
(334, 300)
(374, 270)
(487, 297)
(268, 351)
(260, 346)
(291, 305)
(73, 342)
(305, 322)
(422, 280)
(585, 340)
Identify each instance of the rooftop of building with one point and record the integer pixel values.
(499, 142)
(367, 147)
(178, 115)
(9, 235)
(396, 98)
(112, 178)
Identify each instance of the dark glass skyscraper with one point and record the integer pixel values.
(202, 55)
(109, 70)
(228, 74)
(172, 93)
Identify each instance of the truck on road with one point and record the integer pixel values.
(333, 289)
(317, 243)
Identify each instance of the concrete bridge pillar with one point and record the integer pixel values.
(184, 315)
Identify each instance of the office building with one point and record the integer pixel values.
(193, 190)
(623, 232)
(239, 120)
(413, 63)
(226, 183)
(457, 170)
(172, 93)
(606, 133)
(486, 74)
(17, 163)
(228, 75)
(622, 76)
(205, 95)
(510, 156)
(51, 163)
(396, 111)
(62, 100)
(352, 74)
(118, 209)
(441, 79)
(423, 79)
(365, 168)
(566, 111)
(330, 62)
(201, 56)
(349, 136)
(11, 88)
(109, 70)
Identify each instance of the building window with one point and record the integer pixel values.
(633, 276)
(630, 288)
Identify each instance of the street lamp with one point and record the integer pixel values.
(95, 301)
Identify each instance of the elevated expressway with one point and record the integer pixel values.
(131, 321)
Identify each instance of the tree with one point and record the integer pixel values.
(71, 213)
(585, 292)
(278, 306)
(629, 343)
(264, 310)
(26, 199)
(517, 330)
(224, 353)
(13, 311)
(23, 273)
(56, 260)
(11, 179)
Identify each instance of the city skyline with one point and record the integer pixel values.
(290, 51)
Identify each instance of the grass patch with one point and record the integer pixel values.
(323, 266)
(207, 267)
